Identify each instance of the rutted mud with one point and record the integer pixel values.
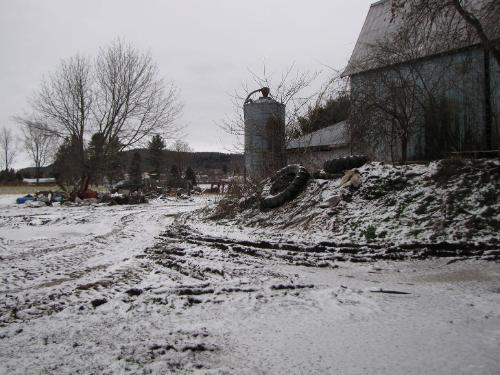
(324, 254)
(154, 295)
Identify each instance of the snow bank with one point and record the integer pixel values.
(445, 201)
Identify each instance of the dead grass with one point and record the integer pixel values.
(25, 189)
(30, 189)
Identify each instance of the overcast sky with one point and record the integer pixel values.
(205, 46)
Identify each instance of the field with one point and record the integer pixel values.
(31, 189)
(25, 189)
(148, 289)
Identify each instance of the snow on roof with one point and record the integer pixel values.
(334, 135)
(380, 24)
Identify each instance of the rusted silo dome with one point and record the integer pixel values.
(264, 135)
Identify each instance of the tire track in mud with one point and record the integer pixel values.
(203, 265)
(214, 270)
(166, 297)
(60, 261)
(206, 276)
(38, 250)
(207, 271)
(51, 279)
(116, 278)
(322, 253)
(190, 257)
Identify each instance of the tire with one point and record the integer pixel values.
(285, 186)
(340, 165)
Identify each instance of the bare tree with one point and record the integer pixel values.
(65, 98)
(116, 101)
(390, 101)
(38, 143)
(132, 101)
(385, 112)
(64, 105)
(464, 23)
(292, 88)
(467, 20)
(8, 148)
(182, 155)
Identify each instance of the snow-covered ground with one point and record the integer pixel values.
(143, 289)
(447, 201)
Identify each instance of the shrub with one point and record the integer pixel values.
(370, 233)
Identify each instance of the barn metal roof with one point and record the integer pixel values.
(379, 25)
(332, 136)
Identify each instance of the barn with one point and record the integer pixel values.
(467, 78)
(313, 149)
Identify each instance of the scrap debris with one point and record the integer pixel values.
(388, 291)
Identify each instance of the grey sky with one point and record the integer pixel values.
(205, 46)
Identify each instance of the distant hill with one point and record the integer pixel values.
(201, 162)
(30, 172)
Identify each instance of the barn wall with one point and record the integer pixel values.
(460, 77)
(495, 79)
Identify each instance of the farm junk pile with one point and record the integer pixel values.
(451, 201)
(43, 198)
(24, 199)
(135, 197)
(87, 197)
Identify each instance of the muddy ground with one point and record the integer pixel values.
(140, 289)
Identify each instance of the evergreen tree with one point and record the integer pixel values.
(155, 153)
(174, 172)
(9, 176)
(67, 165)
(19, 176)
(103, 158)
(135, 170)
(96, 157)
(330, 113)
(190, 175)
(113, 165)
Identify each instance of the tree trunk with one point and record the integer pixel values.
(37, 172)
(404, 150)
(84, 180)
(488, 118)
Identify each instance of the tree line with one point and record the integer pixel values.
(92, 109)
(89, 111)
(178, 172)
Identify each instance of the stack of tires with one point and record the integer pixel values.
(338, 166)
(285, 186)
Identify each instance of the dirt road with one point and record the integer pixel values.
(141, 290)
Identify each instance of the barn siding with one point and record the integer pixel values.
(495, 79)
(462, 82)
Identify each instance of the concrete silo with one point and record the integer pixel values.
(264, 135)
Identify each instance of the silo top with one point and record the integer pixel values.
(263, 100)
